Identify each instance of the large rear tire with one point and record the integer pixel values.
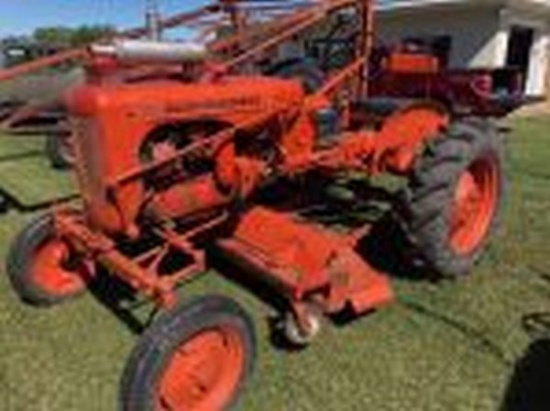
(43, 269)
(196, 357)
(454, 200)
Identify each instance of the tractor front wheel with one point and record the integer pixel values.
(43, 269)
(454, 198)
(196, 357)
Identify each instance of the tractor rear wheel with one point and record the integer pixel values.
(196, 357)
(43, 269)
(454, 199)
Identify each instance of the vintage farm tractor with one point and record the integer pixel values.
(218, 150)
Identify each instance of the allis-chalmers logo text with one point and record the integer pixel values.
(232, 103)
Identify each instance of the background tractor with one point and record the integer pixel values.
(229, 148)
(31, 94)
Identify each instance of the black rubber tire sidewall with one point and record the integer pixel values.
(426, 214)
(154, 349)
(34, 235)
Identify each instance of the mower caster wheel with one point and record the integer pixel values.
(302, 335)
(43, 269)
(195, 357)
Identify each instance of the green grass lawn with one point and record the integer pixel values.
(444, 347)
(43, 86)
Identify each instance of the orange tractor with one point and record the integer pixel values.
(220, 149)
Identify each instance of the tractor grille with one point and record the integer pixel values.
(87, 153)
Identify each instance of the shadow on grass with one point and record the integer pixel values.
(119, 299)
(529, 388)
(386, 250)
(9, 201)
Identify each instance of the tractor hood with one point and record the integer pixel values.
(113, 122)
(231, 100)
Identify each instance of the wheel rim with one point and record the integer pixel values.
(475, 204)
(52, 271)
(203, 373)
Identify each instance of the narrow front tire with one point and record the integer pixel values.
(196, 357)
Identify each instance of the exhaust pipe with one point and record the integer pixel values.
(151, 51)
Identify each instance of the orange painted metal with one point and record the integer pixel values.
(203, 373)
(49, 269)
(126, 194)
(391, 149)
(475, 201)
(177, 159)
(110, 168)
(202, 194)
(404, 134)
(103, 250)
(401, 62)
(307, 261)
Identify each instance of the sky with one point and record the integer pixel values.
(23, 16)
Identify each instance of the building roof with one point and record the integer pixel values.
(388, 5)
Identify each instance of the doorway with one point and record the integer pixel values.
(520, 46)
(440, 46)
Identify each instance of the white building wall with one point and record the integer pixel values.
(475, 32)
(537, 74)
(538, 69)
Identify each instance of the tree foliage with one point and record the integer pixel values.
(48, 40)
(64, 37)
(88, 34)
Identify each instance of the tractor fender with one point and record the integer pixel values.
(405, 126)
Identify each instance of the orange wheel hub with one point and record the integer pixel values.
(203, 373)
(52, 270)
(475, 204)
